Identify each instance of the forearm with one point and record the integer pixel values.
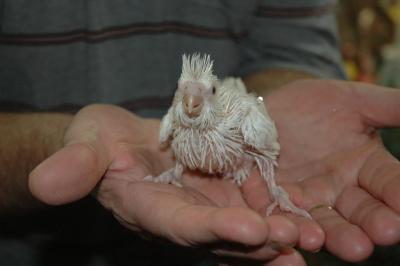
(26, 140)
(265, 82)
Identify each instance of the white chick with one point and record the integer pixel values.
(220, 129)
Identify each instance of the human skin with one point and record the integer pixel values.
(331, 155)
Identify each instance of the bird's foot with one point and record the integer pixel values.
(281, 199)
(241, 175)
(168, 177)
(238, 180)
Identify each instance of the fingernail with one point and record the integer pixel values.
(316, 250)
(281, 247)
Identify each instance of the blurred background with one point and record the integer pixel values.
(370, 35)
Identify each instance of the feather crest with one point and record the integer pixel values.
(197, 68)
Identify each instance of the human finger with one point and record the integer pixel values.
(290, 257)
(380, 223)
(293, 258)
(175, 214)
(380, 176)
(72, 172)
(255, 192)
(343, 239)
(68, 175)
(283, 235)
(379, 106)
(311, 236)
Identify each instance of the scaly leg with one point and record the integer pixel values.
(172, 176)
(279, 196)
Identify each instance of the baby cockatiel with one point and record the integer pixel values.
(220, 129)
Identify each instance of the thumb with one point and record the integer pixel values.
(72, 172)
(380, 106)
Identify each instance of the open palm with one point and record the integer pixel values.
(108, 151)
(332, 155)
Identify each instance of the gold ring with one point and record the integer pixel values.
(321, 206)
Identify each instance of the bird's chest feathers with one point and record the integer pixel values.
(210, 151)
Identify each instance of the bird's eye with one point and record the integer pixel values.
(214, 90)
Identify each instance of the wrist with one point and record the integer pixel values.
(27, 139)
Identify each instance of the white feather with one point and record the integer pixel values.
(197, 68)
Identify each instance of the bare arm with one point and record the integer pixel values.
(26, 140)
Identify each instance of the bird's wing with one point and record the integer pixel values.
(256, 126)
(166, 127)
(234, 84)
(258, 129)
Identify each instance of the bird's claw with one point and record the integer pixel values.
(271, 207)
(281, 199)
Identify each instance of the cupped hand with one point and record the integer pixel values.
(108, 151)
(333, 163)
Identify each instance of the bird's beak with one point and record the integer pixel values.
(193, 104)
